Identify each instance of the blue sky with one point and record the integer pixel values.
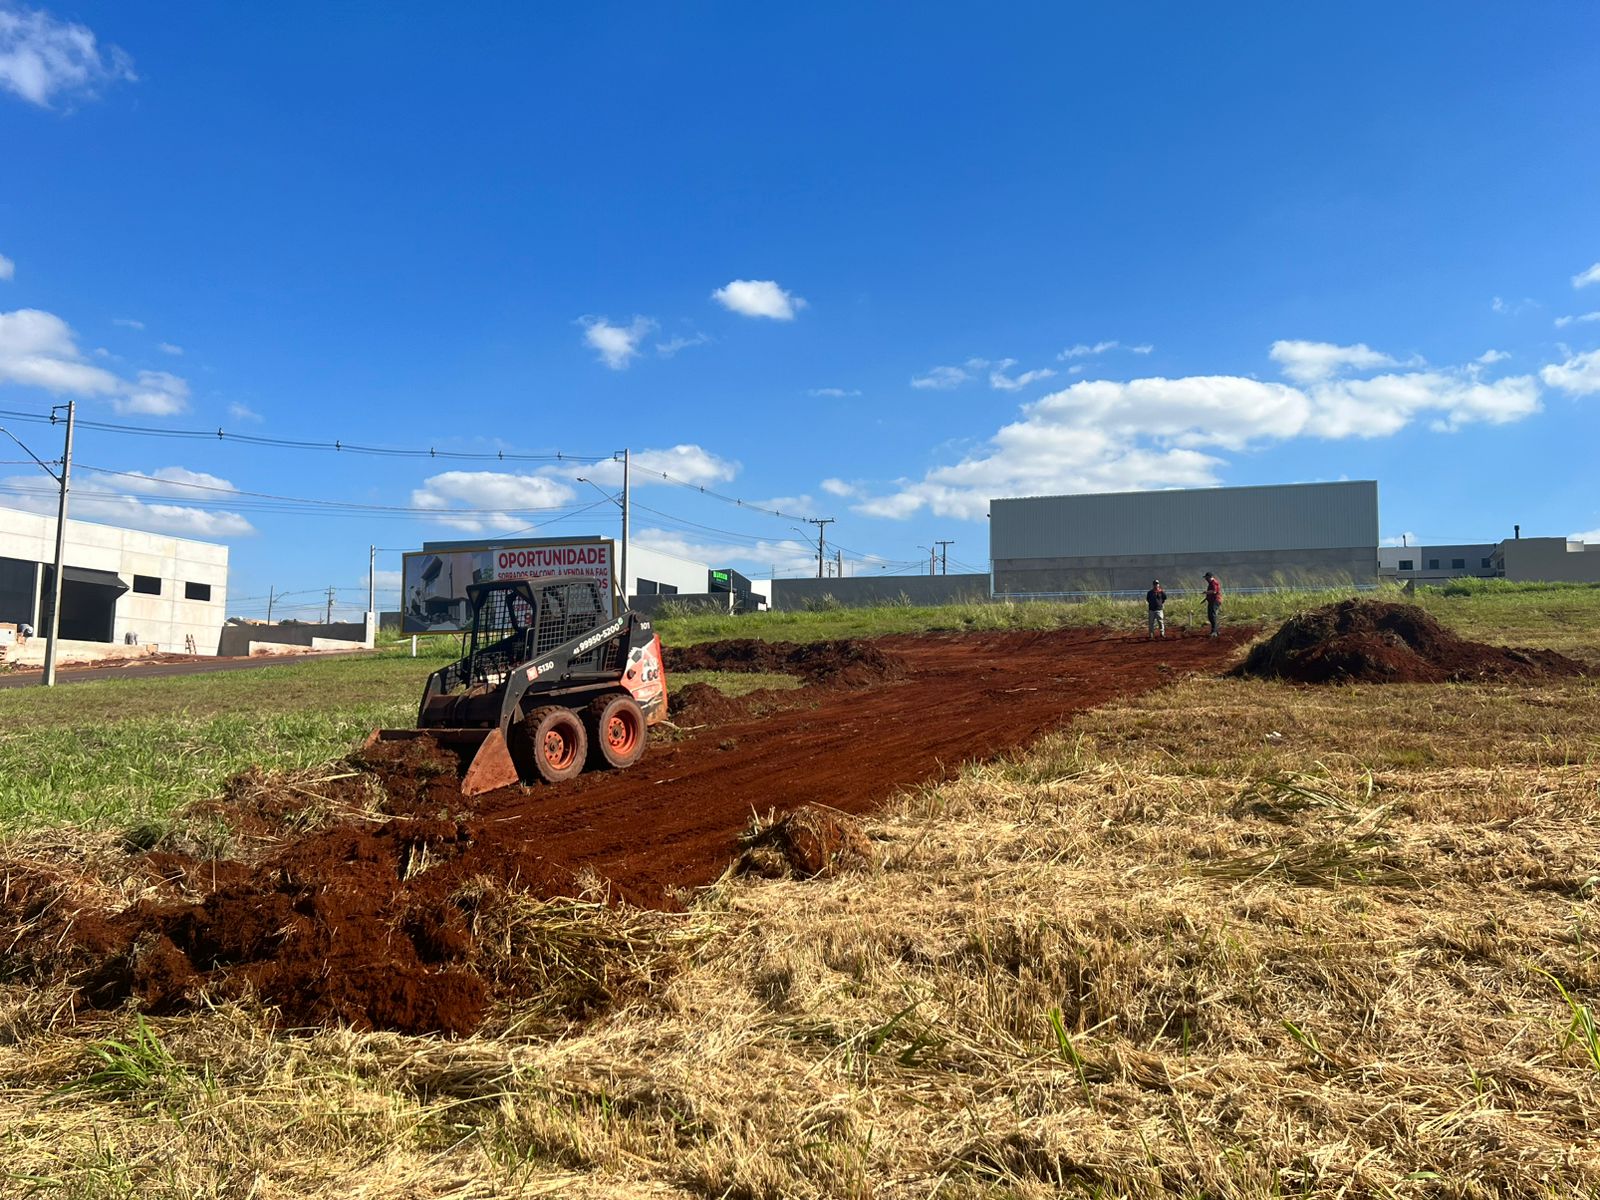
(877, 263)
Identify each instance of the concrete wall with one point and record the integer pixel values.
(163, 619)
(862, 591)
(236, 639)
(1553, 560)
(1236, 569)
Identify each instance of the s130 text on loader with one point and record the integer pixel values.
(550, 683)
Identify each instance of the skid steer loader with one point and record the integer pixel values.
(550, 683)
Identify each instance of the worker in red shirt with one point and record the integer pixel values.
(1213, 600)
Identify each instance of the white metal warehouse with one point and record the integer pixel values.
(1297, 534)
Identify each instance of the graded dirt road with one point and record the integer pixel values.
(673, 821)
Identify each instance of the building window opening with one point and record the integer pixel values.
(1458, 564)
(645, 587)
(1487, 564)
(669, 589)
(1408, 564)
(1433, 564)
(197, 591)
(147, 585)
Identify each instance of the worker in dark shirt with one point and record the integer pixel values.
(1213, 601)
(1156, 601)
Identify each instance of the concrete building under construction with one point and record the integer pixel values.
(120, 586)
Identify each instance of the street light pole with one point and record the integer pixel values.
(54, 631)
(625, 498)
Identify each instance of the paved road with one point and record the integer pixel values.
(199, 666)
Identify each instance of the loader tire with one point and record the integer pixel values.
(549, 744)
(617, 732)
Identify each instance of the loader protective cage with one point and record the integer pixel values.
(519, 621)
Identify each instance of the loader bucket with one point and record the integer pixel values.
(485, 760)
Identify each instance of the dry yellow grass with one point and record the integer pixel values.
(1229, 940)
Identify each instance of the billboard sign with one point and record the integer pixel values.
(433, 589)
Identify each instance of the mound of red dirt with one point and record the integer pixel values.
(846, 662)
(1372, 641)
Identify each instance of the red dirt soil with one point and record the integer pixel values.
(368, 920)
(1373, 641)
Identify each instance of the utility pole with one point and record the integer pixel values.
(269, 604)
(822, 524)
(624, 565)
(838, 564)
(944, 555)
(61, 548)
(330, 604)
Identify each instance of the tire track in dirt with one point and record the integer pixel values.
(673, 821)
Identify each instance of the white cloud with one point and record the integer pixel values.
(127, 322)
(106, 498)
(999, 380)
(672, 345)
(1513, 308)
(490, 490)
(243, 412)
(1563, 322)
(758, 298)
(155, 393)
(1085, 350)
(1489, 357)
(169, 348)
(1306, 362)
(1590, 537)
(941, 379)
(1105, 435)
(838, 487)
(1378, 407)
(37, 350)
(500, 499)
(788, 555)
(42, 58)
(834, 393)
(1585, 278)
(617, 345)
(1580, 374)
(8, 269)
(687, 462)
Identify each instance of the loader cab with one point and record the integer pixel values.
(516, 620)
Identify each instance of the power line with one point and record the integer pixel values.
(338, 446)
